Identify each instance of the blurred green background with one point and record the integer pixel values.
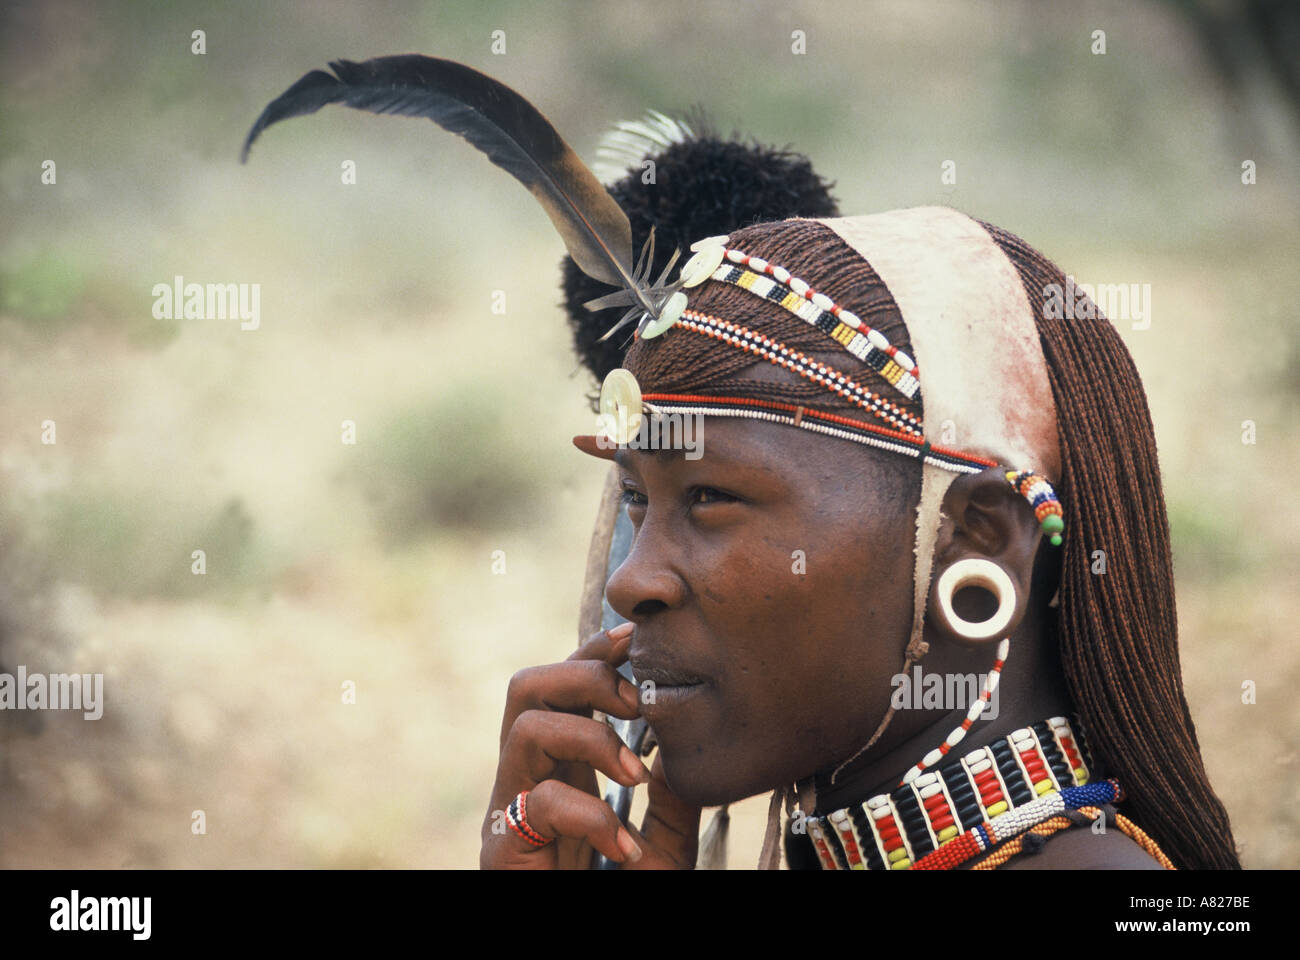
(372, 562)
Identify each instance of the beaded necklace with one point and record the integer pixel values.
(951, 813)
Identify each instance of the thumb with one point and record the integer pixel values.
(670, 833)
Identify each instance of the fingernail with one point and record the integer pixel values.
(628, 692)
(625, 843)
(621, 631)
(633, 766)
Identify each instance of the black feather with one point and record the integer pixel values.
(490, 116)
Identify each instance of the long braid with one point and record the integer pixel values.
(1118, 630)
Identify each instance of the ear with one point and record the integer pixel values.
(986, 548)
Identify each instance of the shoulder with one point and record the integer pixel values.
(1078, 848)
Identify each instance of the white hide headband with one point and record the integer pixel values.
(975, 343)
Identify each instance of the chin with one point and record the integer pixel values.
(708, 778)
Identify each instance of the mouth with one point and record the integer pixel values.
(670, 685)
(665, 676)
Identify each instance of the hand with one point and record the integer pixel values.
(552, 747)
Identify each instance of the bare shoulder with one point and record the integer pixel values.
(1080, 849)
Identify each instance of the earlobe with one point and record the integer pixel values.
(975, 572)
(990, 549)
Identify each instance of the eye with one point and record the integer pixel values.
(703, 495)
(633, 497)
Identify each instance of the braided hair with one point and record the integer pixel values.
(1116, 633)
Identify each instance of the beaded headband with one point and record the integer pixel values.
(899, 432)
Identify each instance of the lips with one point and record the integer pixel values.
(675, 687)
(662, 676)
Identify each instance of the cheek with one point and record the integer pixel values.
(793, 610)
(815, 629)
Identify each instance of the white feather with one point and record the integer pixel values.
(631, 141)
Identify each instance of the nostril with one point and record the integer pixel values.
(647, 607)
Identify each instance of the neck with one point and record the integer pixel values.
(1031, 688)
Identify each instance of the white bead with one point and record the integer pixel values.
(975, 710)
(931, 790)
(781, 274)
(994, 680)
(933, 757)
(735, 256)
(1022, 734)
(822, 301)
(979, 766)
(879, 800)
(798, 286)
(1055, 721)
(839, 816)
(956, 737)
(757, 264)
(881, 812)
(878, 339)
(903, 360)
(927, 779)
(911, 775)
(975, 756)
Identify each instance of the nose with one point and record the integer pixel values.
(648, 581)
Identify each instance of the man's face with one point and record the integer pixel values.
(770, 582)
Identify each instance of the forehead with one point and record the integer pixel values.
(743, 442)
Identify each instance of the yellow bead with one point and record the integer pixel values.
(947, 833)
(1080, 776)
(1042, 786)
(901, 864)
(999, 807)
(896, 855)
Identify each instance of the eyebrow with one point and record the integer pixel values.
(621, 454)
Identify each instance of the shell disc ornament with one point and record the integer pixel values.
(620, 406)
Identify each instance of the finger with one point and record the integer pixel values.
(609, 645)
(541, 740)
(578, 686)
(670, 832)
(555, 809)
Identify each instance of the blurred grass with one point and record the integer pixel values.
(372, 562)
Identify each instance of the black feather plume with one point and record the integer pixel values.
(507, 128)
